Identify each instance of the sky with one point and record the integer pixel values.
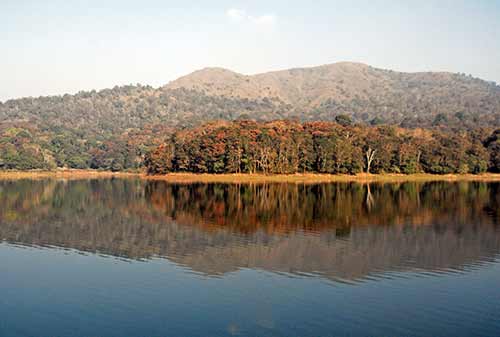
(53, 47)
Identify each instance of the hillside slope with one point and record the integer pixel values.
(114, 128)
(358, 90)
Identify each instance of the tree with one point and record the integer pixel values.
(492, 144)
(344, 120)
(159, 161)
(440, 118)
(369, 156)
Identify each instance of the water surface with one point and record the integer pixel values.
(115, 257)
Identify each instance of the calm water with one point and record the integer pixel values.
(132, 258)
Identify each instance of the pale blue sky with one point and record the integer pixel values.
(56, 46)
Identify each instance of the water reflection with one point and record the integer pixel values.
(345, 232)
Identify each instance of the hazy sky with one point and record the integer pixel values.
(56, 46)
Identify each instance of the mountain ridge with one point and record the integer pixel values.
(215, 70)
(323, 92)
(325, 71)
(350, 88)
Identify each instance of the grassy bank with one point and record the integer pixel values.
(66, 174)
(315, 178)
(247, 178)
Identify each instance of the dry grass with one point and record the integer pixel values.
(247, 178)
(315, 178)
(66, 174)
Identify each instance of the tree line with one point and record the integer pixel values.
(287, 147)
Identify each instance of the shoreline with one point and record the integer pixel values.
(313, 178)
(66, 174)
(236, 178)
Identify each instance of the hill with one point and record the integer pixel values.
(114, 128)
(361, 91)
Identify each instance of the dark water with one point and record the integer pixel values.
(133, 258)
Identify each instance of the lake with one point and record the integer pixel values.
(128, 257)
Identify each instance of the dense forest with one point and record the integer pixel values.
(113, 129)
(284, 147)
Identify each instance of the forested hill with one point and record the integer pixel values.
(111, 129)
(365, 93)
(114, 128)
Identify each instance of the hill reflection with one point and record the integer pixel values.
(344, 231)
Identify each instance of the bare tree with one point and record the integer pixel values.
(370, 155)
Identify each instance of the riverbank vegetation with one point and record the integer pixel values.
(340, 148)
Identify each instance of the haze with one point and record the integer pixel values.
(57, 47)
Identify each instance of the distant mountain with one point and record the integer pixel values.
(358, 90)
(113, 128)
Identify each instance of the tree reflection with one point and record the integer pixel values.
(342, 231)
